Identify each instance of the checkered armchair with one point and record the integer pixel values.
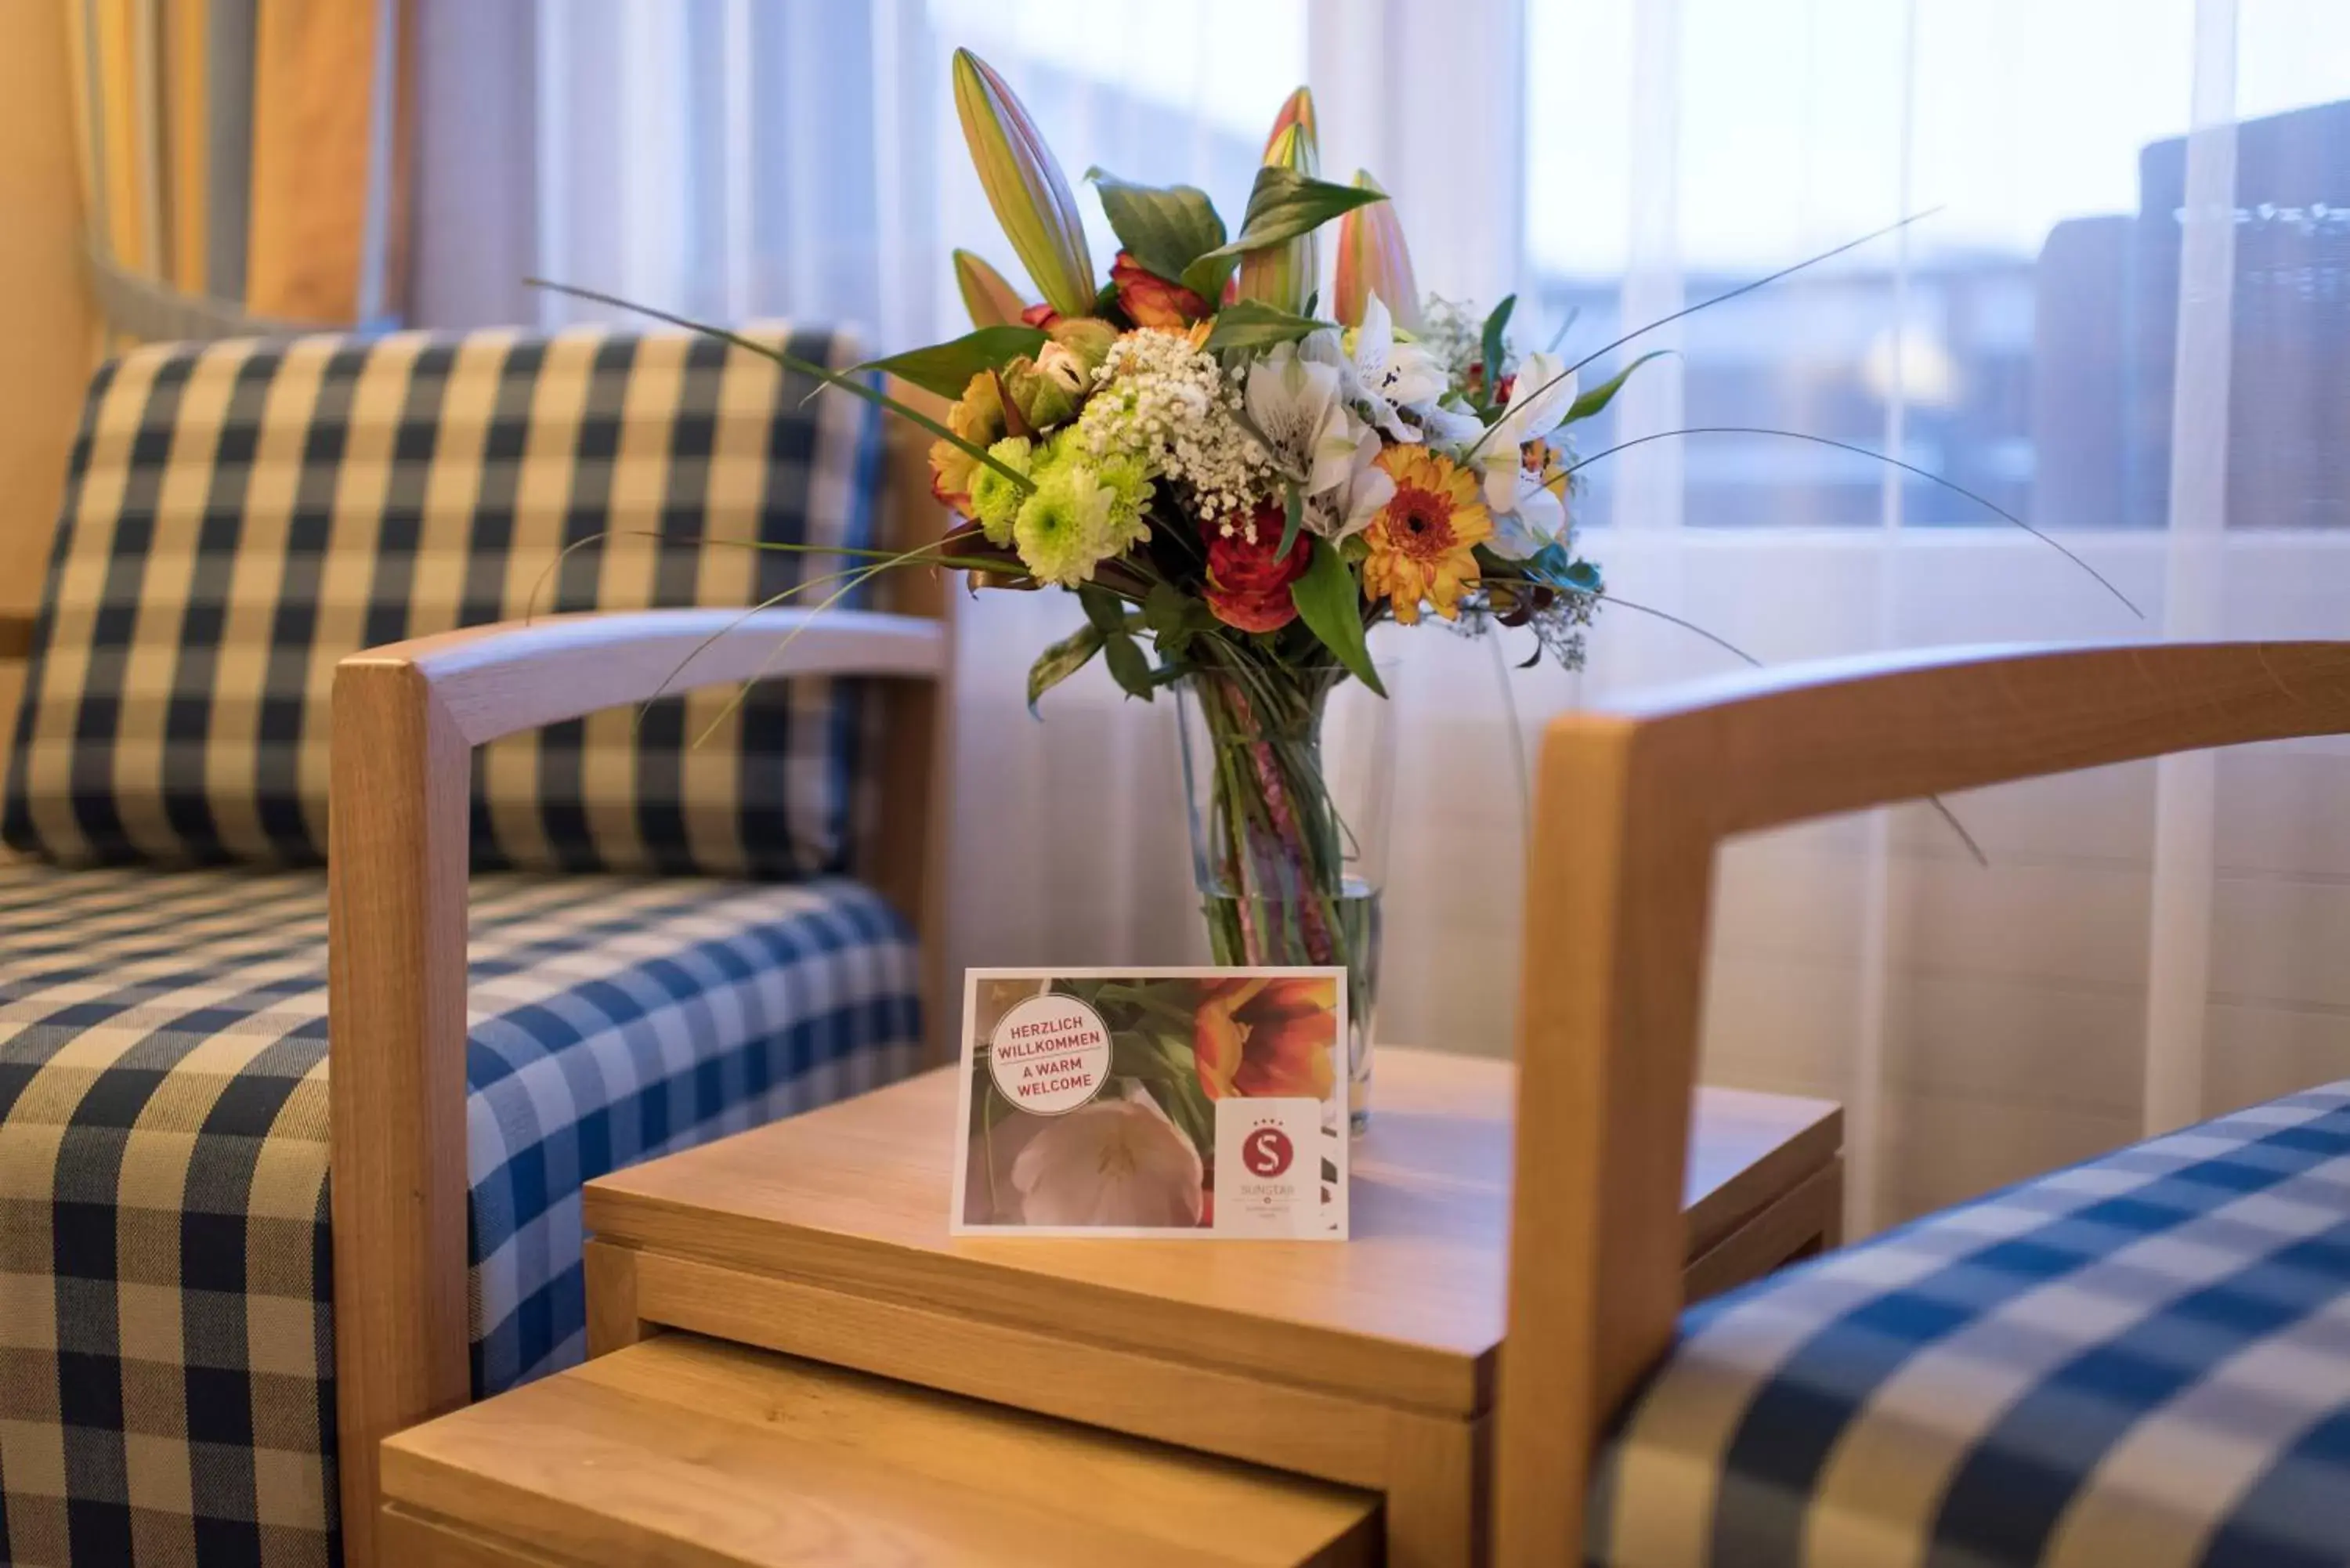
(2142, 1360)
(468, 613)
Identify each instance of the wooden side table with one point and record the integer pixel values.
(1368, 1363)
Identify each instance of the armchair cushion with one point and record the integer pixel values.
(166, 1343)
(2142, 1360)
(239, 516)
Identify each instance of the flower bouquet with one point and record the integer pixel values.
(1240, 471)
(1240, 468)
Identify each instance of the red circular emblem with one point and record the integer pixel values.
(1267, 1152)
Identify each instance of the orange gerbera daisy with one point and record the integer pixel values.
(1420, 540)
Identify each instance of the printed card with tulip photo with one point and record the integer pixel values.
(1153, 1103)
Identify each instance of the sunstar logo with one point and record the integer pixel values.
(1267, 1151)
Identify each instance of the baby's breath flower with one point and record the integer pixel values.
(1450, 331)
(1170, 411)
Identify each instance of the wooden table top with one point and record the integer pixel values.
(855, 1198)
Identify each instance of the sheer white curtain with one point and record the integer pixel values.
(2126, 321)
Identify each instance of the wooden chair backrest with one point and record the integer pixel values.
(1632, 802)
(901, 849)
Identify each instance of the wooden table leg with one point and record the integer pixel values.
(612, 1280)
(1436, 1491)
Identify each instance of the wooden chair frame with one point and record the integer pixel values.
(406, 719)
(1635, 798)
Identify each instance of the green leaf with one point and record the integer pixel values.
(947, 368)
(1102, 607)
(1285, 204)
(1207, 276)
(1492, 344)
(1253, 324)
(1332, 607)
(1165, 608)
(1129, 665)
(1292, 505)
(1600, 396)
(1164, 228)
(1061, 660)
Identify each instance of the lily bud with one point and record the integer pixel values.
(1372, 259)
(1046, 395)
(990, 300)
(1024, 186)
(1297, 111)
(1285, 275)
(1088, 338)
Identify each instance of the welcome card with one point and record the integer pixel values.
(1153, 1103)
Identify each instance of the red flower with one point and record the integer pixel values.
(1041, 316)
(1150, 300)
(1248, 584)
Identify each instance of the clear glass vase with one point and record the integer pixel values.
(1289, 776)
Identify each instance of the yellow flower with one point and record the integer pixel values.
(978, 417)
(1420, 540)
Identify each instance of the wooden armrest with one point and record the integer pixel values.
(406, 718)
(1765, 747)
(16, 634)
(499, 680)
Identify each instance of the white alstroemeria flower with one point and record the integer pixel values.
(1344, 512)
(1526, 515)
(1456, 428)
(1532, 521)
(1391, 373)
(1296, 397)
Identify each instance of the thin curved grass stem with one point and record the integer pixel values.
(1940, 807)
(1952, 486)
(1894, 227)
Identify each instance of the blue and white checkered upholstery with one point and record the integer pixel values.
(166, 1341)
(2140, 1361)
(240, 516)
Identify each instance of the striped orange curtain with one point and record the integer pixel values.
(243, 162)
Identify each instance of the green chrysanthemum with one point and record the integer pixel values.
(1129, 483)
(1125, 478)
(1066, 528)
(994, 497)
